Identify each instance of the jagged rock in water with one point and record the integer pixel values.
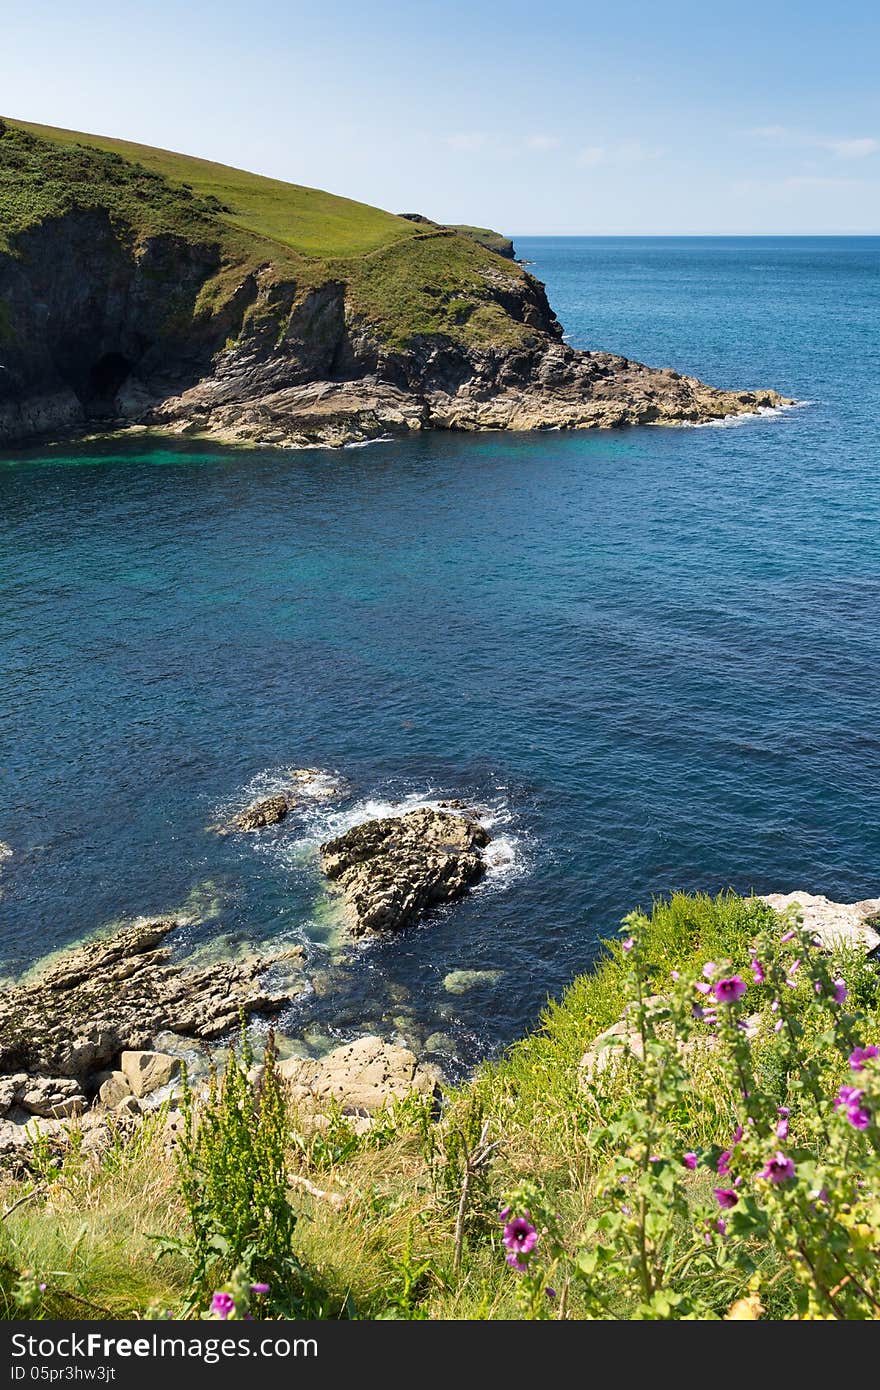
(390, 871)
(269, 811)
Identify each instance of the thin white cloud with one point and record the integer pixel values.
(784, 137)
(852, 149)
(591, 156)
(541, 143)
(468, 140)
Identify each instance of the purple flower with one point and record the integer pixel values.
(721, 1226)
(503, 1214)
(849, 1099)
(839, 991)
(690, 1161)
(551, 1293)
(737, 1135)
(778, 1025)
(725, 1196)
(520, 1236)
(789, 935)
(709, 969)
(757, 970)
(259, 1288)
(42, 1288)
(515, 1263)
(779, 1169)
(628, 944)
(702, 986)
(860, 1055)
(728, 990)
(724, 1163)
(782, 1127)
(223, 1304)
(674, 975)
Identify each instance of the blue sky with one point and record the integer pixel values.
(634, 117)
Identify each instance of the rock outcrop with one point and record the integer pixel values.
(302, 783)
(856, 925)
(361, 1077)
(75, 1041)
(390, 871)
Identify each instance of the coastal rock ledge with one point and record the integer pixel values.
(390, 871)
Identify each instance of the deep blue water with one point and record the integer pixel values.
(652, 654)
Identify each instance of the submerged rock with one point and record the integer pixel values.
(269, 810)
(460, 981)
(389, 871)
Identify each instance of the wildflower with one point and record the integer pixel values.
(778, 1026)
(702, 986)
(520, 1236)
(860, 1055)
(774, 1007)
(222, 1304)
(757, 970)
(551, 1293)
(839, 991)
(674, 975)
(724, 1163)
(737, 1135)
(725, 1196)
(504, 1214)
(731, 988)
(794, 967)
(690, 1160)
(709, 969)
(516, 1264)
(789, 935)
(259, 1288)
(721, 1226)
(628, 944)
(627, 1211)
(849, 1099)
(778, 1169)
(782, 1126)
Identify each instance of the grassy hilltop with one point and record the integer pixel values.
(408, 279)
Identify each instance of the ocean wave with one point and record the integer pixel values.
(729, 422)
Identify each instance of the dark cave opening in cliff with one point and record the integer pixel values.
(106, 376)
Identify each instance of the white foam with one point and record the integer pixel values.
(729, 422)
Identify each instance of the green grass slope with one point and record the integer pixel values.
(404, 278)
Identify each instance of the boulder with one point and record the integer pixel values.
(362, 1076)
(145, 1072)
(53, 1098)
(390, 871)
(853, 925)
(114, 1090)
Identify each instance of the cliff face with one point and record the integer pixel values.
(128, 301)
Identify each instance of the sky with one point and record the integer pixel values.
(561, 117)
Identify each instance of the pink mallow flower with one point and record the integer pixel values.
(860, 1055)
(839, 991)
(849, 1099)
(725, 1196)
(779, 1169)
(724, 1163)
(223, 1304)
(757, 970)
(728, 990)
(628, 944)
(690, 1161)
(782, 1126)
(520, 1237)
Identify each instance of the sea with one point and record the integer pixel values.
(649, 658)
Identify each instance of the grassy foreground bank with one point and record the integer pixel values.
(720, 1157)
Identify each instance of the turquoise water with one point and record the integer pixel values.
(651, 656)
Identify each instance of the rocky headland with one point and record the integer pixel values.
(133, 298)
